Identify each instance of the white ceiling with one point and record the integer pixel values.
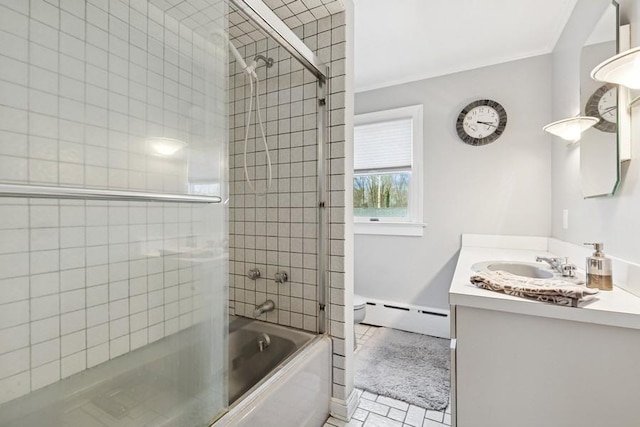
(398, 41)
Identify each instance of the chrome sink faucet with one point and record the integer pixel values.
(561, 265)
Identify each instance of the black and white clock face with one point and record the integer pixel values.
(603, 104)
(608, 105)
(481, 122)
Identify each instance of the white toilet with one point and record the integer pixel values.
(359, 311)
(359, 308)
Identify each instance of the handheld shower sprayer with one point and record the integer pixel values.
(250, 71)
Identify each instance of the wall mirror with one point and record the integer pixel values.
(599, 159)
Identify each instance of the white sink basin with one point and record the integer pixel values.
(525, 269)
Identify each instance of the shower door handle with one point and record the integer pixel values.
(47, 192)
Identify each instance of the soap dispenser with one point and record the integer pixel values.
(599, 271)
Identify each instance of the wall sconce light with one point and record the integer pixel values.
(622, 69)
(571, 129)
(166, 147)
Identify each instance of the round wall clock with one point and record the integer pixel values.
(603, 105)
(481, 122)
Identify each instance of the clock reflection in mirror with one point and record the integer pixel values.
(603, 105)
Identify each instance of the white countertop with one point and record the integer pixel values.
(613, 308)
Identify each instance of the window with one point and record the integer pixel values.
(387, 178)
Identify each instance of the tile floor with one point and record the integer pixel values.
(364, 332)
(380, 411)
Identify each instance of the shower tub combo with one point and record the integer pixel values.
(152, 348)
(269, 367)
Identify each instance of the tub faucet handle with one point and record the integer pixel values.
(253, 274)
(281, 277)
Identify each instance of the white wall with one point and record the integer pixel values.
(501, 188)
(612, 220)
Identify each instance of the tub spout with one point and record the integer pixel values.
(266, 306)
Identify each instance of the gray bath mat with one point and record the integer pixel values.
(410, 367)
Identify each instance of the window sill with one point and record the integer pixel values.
(414, 229)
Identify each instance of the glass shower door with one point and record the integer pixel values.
(113, 250)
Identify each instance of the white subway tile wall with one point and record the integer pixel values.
(83, 85)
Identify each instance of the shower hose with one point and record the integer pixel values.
(251, 76)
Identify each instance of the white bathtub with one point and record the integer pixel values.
(296, 393)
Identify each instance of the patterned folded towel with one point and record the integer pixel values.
(555, 291)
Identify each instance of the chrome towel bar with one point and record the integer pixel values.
(42, 191)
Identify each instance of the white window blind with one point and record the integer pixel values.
(383, 145)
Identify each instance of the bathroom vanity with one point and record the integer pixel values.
(516, 362)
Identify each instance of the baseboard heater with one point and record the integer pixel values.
(395, 307)
(411, 318)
